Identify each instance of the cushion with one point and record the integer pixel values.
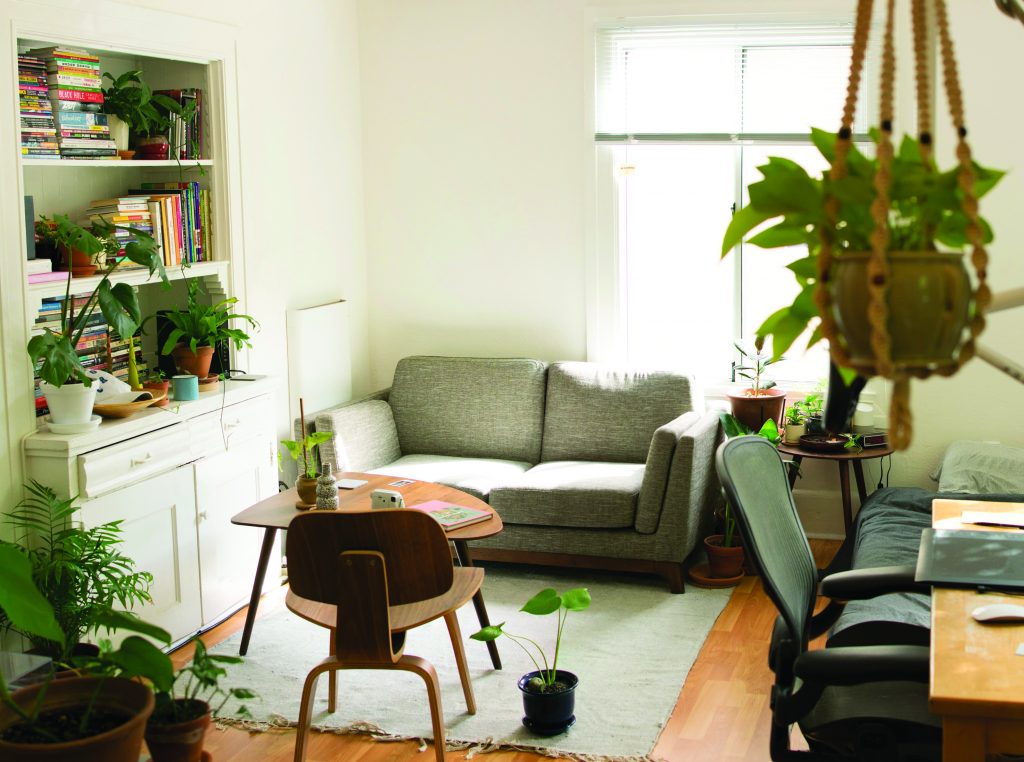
(364, 436)
(473, 475)
(470, 407)
(572, 494)
(603, 413)
(982, 468)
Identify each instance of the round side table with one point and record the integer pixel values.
(843, 459)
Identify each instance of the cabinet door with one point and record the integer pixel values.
(159, 530)
(226, 484)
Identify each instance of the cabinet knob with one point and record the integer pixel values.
(138, 460)
(201, 515)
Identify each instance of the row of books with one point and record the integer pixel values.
(186, 137)
(38, 134)
(99, 348)
(40, 270)
(73, 80)
(177, 215)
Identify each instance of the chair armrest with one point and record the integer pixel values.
(858, 584)
(656, 471)
(863, 664)
(364, 435)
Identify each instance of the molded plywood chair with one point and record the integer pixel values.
(859, 703)
(370, 576)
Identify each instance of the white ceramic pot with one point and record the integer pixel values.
(118, 132)
(793, 432)
(70, 403)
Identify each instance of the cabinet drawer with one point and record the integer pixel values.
(110, 468)
(218, 430)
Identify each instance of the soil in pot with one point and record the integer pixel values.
(548, 709)
(64, 724)
(753, 410)
(178, 738)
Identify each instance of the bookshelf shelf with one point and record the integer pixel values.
(131, 277)
(106, 164)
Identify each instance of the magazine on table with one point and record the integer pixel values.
(451, 516)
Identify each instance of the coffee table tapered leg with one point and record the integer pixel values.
(462, 552)
(257, 587)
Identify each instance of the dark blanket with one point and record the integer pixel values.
(887, 533)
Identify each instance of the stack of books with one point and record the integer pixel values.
(119, 357)
(186, 138)
(41, 271)
(127, 213)
(38, 135)
(73, 76)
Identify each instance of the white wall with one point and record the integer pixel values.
(476, 153)
(301, 168)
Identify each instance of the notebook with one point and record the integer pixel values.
(963, 558)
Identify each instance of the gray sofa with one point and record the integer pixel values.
(587, 465)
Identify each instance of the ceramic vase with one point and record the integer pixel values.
(70, 403)
(118, 132)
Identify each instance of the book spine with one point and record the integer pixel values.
(71, 94)
(74, 80)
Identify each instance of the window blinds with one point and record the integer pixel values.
(721, 83)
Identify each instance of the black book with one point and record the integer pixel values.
(964, 558)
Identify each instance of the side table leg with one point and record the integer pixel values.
(462, 552)
(844, 486)
(862, 490)
(257, 587)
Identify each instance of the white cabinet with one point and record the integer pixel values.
(175, 478)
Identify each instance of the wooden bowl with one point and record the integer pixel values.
(126, 409)
(822, 443)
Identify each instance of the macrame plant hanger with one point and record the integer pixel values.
(879, 265)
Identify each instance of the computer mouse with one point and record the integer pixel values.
(999, 612)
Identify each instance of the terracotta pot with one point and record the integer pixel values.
(178, 742)
(754, 411)
(929, 298)
(306, 488)
(152, 148)
(548, 714)
(193, 364)
(80, 264)
(121, 744)
(723, 562)
(159, 386)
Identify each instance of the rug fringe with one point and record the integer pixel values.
(377, 733)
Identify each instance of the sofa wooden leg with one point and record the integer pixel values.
(673, 574)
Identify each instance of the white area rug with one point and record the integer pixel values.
(632, 650)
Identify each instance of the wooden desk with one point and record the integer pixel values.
(977, 680)
(843, 459)
(277, 512)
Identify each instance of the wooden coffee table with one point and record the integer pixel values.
(277, 512)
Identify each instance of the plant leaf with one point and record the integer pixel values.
(490, 632)
(20, 599)
(123, 620)
(576, 599)
(742, 222)
(783, 234)
(542, 603)
(732, 427)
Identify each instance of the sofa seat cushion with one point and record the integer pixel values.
(475, 476)
(572, 494)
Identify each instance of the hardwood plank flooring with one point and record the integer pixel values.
(722, 714)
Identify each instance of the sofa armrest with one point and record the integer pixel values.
(680, 484)
(364, 434)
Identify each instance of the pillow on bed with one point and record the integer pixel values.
(982, 468)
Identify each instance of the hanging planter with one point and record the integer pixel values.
(884, 278)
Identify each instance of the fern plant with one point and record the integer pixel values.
(79, 571)
(203, 325)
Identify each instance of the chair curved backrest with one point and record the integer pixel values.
(414, 546)
(756, 485)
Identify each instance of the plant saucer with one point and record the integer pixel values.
(73, 428)
(548, 730)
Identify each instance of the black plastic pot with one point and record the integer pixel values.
(551, 712)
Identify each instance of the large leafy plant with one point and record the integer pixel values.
(733, 427)
(80, 572)
(925, 212)
(118, 302)
(545, 602)
(146, 113)
(203, 325)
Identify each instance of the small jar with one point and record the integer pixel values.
(326, 489)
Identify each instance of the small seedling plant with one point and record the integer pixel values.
(545, 602)
(304, 450)
(754, 367)
(195, 689)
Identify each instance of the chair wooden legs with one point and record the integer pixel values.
(452, 620)
(426, 670)
(332, 679)
(306, 705)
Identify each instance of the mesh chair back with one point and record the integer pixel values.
(757, 488)
(414, 546)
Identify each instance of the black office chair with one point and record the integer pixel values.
(862, 703)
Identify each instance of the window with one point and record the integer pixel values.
(684, 116)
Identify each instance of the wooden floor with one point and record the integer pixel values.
(722, 714)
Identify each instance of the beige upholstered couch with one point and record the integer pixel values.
(587, 465)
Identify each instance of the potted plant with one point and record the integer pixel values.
(813, 406)
(97, 717)
(198, 327)
(156, 381)
(796, 423)
(131, 101)
(762, 400)
(68, 390)
(929, 288)
(305, 485)
(76, 252)
(549, 693)
(79, 571)
(175, 730)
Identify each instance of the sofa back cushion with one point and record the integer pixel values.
(598, 412)
(469, 406)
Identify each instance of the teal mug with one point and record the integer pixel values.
(185, 388)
